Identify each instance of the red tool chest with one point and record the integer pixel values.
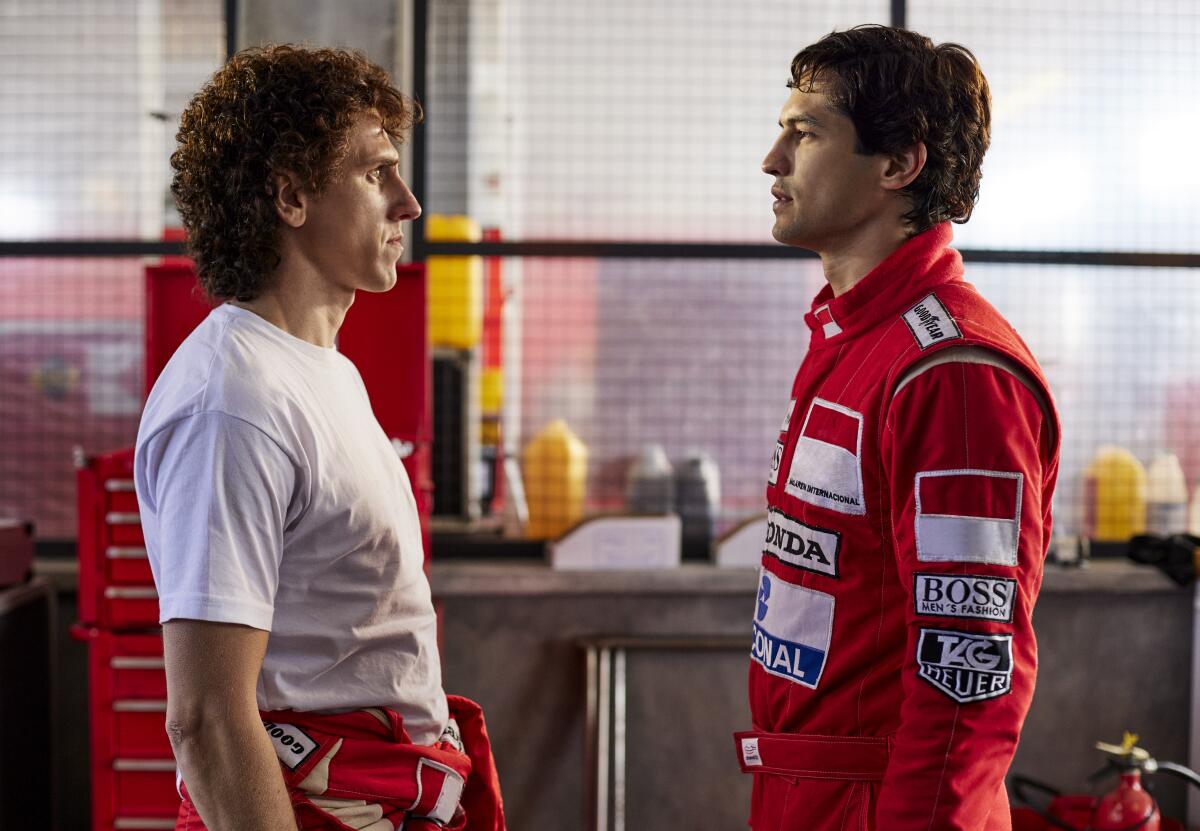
(133, 769)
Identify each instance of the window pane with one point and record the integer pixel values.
(621, 119)
(70, 375)
(88, 109)
(1095, 107)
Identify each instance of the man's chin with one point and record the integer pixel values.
(788, 235)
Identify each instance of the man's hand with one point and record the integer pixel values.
(228, 763)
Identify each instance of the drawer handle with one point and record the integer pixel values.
(116, 552)
(127, 593)
(146, 765)
(147, 823)
(126, 662)
(118, 485)
(136, 706)
(118, 518)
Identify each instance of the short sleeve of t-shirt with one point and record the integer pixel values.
(215, 492)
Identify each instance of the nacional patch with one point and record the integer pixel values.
(930, 323)
(826, 466)
(968, 516)
(966, 666)
(787, 419)
(792, 630)
(776, 461)
(965, 596)
(802, 545)
(292, 745)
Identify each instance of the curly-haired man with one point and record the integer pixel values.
(909, 492)
(303, 676)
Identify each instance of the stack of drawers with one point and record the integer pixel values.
(133, 770)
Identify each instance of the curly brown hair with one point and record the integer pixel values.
(899, 88)
(268, 110)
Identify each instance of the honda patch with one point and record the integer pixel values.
(968, 516)
(792, 630)
(966, 666)
(826, 466)
(776, 461)
(965, 596)
(930, 323)
(801, 545)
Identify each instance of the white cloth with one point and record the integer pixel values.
(271, 497)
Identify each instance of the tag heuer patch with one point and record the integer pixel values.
(801, 545)
(964, 595)
(930, 323)
(966, 666)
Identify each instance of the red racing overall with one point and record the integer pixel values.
(909, 515)
(362, 763)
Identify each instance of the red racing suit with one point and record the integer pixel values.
(909, 516)
(360, 767)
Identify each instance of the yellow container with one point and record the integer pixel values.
(455, 285)
(491, 402)
(1114, 495)
(555, 475)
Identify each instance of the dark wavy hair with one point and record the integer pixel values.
(899, 88)
(268, 110)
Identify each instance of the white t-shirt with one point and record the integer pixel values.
(271, 497)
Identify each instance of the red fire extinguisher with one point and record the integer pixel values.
(1127, 807)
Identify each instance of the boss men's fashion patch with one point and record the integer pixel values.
(930, 323)
(964, 595)
(826, 466)
(802, 545)
(966, 666)
(968, 516)
(792, 629)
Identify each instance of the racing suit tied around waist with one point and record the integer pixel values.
(368, 757)
(850, 758)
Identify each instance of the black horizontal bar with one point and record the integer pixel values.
(631, 250)
(91, 248)
(756, 251)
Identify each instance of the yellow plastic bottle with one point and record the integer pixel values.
(455, 285)
(1114, 496)
(555, 476)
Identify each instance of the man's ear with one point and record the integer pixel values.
(903, 167)
(289, 197)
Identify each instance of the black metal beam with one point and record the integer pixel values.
(231, 28)
(755, 251)
(899, 15)
(420, 58)
(66, 249)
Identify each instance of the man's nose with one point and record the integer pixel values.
(775, 163)
(405, 205)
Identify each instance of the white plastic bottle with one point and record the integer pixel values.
(1166, 497)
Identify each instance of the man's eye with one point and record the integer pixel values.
(802, 134)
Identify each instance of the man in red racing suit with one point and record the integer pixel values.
(909, 494)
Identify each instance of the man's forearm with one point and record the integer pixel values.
(232, 773)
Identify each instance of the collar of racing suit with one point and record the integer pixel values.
(907, 274)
